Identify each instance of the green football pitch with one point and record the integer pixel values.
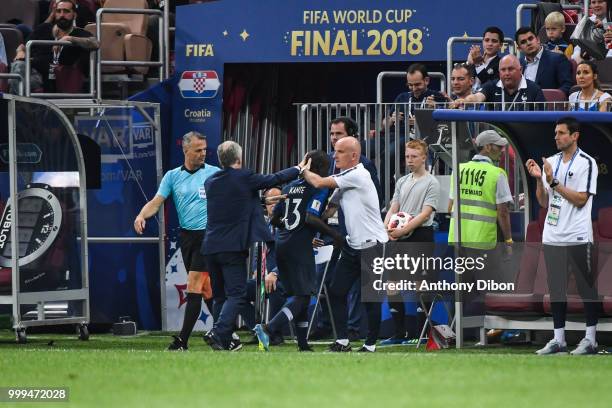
(109, 371)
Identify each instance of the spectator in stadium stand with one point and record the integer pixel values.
(86, 12)
(340, 128)
(566, 184)
(602, 17)
(186, 186)
(416, 194)
(298, 218)
(462, 80)
(486, 64)
(49, 62)
(555, 27)
(549, 70)
(356, 195)
(589, 97)
(235, 222)
(513, 92)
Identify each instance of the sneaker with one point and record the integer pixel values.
(305, 348)
(177, 344)
(262, 336)
(552, 347)
(364, 349)
(336, 347)
(584, 347)
(213, 341)
(252, 341)
(235, 344)
(392, 341)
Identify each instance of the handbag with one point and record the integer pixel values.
(589, 38)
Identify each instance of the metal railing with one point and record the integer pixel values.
(449, 51)
(28, 72)
(17, 77)
(162, 63)
(529, 6)
(402, 74)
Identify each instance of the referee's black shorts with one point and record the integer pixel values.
(191, 243)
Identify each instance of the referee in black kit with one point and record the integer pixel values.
(186, 186)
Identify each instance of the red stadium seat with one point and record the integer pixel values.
(557, 99)
(603, 238)
(3, 82)
(530, 282)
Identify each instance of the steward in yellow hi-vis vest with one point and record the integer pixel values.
(484, 193)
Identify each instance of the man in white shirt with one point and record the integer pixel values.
(566, 187)
(357, 196)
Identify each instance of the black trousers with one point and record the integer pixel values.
(348, 270)
(560, 260)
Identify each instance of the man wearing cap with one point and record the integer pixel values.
(482, 206)
(484, 196)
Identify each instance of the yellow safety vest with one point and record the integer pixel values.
(478, 210)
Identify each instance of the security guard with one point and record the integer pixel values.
(484, 196)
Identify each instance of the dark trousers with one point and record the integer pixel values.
(228, 273)
(355, 310)
(559, 261)
(348, 270)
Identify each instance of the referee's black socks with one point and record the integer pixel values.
(192, 312)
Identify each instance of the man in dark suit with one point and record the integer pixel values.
(235, 221)
(547, 69)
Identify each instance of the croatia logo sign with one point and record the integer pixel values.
(199, 84)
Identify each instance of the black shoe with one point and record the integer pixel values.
(213, 341)
(354, 335)
(363, 349)
(305, 348)
(235, 345)
(178, 344)
(336, 347)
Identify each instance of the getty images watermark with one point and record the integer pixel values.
(396, 268)
(419, 267)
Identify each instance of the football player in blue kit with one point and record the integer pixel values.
(299, 219)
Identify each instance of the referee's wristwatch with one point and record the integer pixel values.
(554, 183)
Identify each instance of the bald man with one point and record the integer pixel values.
(512, 92)
(356, 195)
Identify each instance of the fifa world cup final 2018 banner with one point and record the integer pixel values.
(212, 34)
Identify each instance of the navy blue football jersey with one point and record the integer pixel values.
(302, 198)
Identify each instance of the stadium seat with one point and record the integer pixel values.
(124, 36)
(604, 67)
(557, 99)
(12, 38)
(27, 11)
(603, 238)
(530, 280)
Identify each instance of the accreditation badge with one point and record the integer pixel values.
(554, 211)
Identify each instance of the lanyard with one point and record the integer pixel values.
(568, 167)
(503, 92)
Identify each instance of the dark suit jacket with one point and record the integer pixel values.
(491, 72)
(554, 71)
(235, 215)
